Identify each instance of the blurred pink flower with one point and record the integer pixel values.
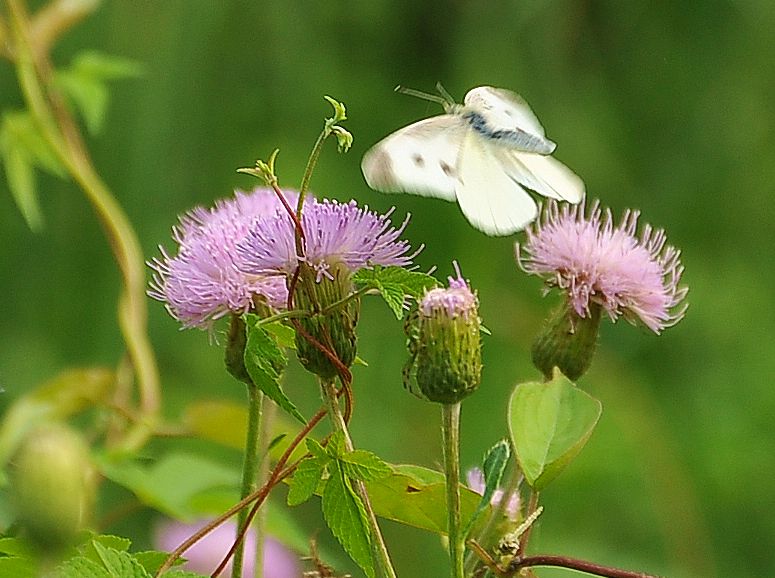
(475, 479)
(205, 555)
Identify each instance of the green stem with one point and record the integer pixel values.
(379, 549)
(61, 132)
(249, 469)
(450, 429)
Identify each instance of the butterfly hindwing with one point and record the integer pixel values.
(543, 174)
(420, 158)
(489, 197)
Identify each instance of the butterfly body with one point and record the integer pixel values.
(483, 153)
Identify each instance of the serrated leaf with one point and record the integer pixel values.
(364, 465)
(152, 560)
(305, 481)
(120, 564)
(264, 361)
(549, 425)
(106, 541)
(336, 446)
(493, 466)
(395, 284)
(183, 574)
(346, 517)
(81, 567)
(314, 447)
(284, 334)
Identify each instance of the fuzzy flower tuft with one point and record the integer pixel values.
(597, 262)
(457, 300)
(202, 282)
(335, 233)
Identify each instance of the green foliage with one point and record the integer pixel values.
(84, 83)
(265, 362)
(172, 483)
(67, 394)
(22, 151)
(493, 466)
(549, 423)
(394, 284)
(331, 472)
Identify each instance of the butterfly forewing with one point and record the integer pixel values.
(419, 159)
(543, 174)
(503, 109)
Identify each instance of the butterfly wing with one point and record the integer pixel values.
(504, 110)
(540, 173)
(420, 159)
(489, 197)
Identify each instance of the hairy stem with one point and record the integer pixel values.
(450, 430)
(379, 549)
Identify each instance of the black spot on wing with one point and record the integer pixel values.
(418, 160)
(447, 169)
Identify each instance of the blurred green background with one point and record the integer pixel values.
(666, 107)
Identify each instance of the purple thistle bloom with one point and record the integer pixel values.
(206, 554)
(475, 480)
(457, 300)
(334, 233)
(594, 261)
(202, 282)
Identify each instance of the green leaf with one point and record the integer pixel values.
(346, 517)
(81, 567)
(152, 560)
(305, 481)
(84, 84)
(70, 392)
(314, 447)
(173, 483)
(395, 284)
(549, 425)
(285, 335)
(183, 574)
(493, 466)
(265, 362)
(335, 447)
(364, 465)
(120, 564)
(17, 567)
(417, 497)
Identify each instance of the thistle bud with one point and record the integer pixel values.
(445, 363)
(567, 341)
(332, 325)
(52, 486)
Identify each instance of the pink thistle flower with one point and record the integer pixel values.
(456, 300)
(594, 261)
(335, 233)
(202, 282)
(207, 553)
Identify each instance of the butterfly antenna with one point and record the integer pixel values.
(423, 95)
(444, 94)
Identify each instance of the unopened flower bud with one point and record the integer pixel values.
(332, 323)
(567, 341)
(445, 362)
(52, 486)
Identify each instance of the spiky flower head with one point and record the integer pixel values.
(202, 281)
(444, 344)
(602, 268)
(339, 239)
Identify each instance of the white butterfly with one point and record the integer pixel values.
(484, 154)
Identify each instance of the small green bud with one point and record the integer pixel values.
(52, 485)
(445, 361)
(333, 327)
(567, 341)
